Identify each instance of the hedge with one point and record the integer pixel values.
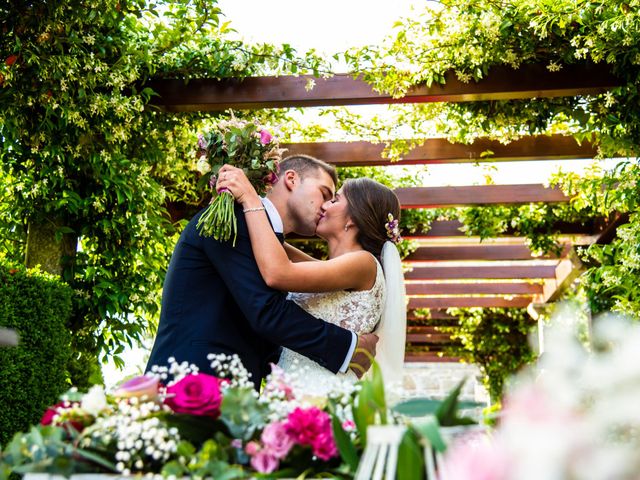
(33, 374)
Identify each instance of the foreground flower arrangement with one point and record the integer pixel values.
(193, 425)
(573, 416)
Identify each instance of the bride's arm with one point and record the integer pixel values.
(297, 255)
(350, 271)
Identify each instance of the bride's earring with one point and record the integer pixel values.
(346, 227)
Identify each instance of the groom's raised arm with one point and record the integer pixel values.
(269, 313)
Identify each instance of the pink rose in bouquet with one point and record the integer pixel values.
(195, 394)
(264, 462)
(276, 440)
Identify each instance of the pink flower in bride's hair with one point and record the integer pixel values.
(276, 440)
(264, 462)
(265, 137)
(195, 394)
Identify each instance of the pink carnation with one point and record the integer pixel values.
(196, 394)
(264, 462)
(324, 447)
(306, 424)
(276, 440)
(265, 137)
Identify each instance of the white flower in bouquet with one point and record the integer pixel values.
(94, 401)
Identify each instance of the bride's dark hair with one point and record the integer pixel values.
(369, 204)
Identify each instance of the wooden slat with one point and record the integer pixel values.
(485, 272)
(469, 302)
(437, 197)
(431, 357)
(511, 288)
(451, 228)
(424, 330)
(501, 83)
(429, 337)
(441, 151)
(477, 252)
(434, 315)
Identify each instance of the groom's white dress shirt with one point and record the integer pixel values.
(278, 227)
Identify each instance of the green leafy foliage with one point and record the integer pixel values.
(33, 374)
(496, 339)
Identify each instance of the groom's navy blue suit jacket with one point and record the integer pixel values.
(214, 300)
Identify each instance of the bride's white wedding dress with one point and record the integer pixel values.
(358, 311)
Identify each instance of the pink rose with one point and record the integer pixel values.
(54, 410)
(276, 440)
(324, 447)
(138, 387)
(252, 448)
(196, 394)
(265, 137)
(264, 462)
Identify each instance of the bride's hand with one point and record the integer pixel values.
(236, 182)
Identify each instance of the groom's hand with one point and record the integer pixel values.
(363, 354)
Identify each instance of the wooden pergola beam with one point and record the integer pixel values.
(439, 338)
(510, 288)
(431, 357)
(477, 252)
(470, 302)
(433, 315)
(441, 151)
(452, 228)
(502, 83)
(437, 197)
(484, 272)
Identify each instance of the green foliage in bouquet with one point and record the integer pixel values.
(33, 374)
(245, 145)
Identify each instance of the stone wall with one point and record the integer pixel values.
(436, 380)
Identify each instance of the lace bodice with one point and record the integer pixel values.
(358, 311)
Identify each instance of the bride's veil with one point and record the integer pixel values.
(392, 329)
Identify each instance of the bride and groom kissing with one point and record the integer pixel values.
(220, 298)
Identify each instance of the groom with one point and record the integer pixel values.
(215, 301)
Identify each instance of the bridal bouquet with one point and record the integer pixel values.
(245, 145)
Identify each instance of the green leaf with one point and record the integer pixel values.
(410, 458)
(429, 428)
(347, 449)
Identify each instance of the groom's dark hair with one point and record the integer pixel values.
(305, 165)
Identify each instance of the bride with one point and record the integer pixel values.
(360, 287)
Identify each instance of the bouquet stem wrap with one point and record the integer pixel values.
(219, 220)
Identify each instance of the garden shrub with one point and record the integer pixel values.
(33, 374)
